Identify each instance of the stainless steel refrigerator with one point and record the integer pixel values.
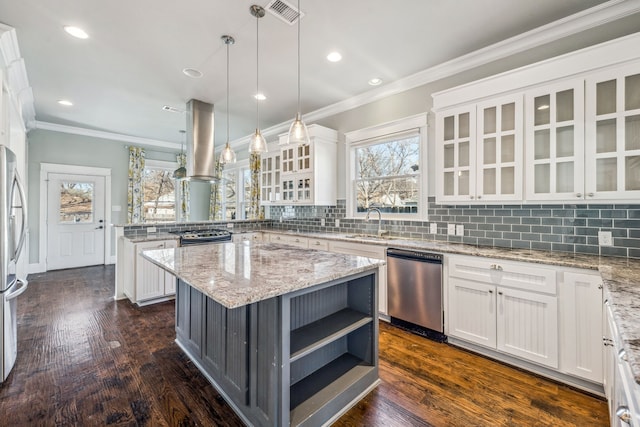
(13, 228)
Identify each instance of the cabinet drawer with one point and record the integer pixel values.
(319, 244)
(370, 251)
(519, 275)
(298, 241)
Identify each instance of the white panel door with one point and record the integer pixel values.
(75, 220)
(472, 311)
(527, 325)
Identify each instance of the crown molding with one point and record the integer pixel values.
(110, 136)
(573, 24)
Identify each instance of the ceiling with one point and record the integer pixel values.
(131, 65)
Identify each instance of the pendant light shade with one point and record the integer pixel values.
(228, 155)
(258, 143)
(298, 133)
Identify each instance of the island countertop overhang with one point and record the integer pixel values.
(238, 274)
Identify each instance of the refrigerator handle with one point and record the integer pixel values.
(22, 286)
(23, 224)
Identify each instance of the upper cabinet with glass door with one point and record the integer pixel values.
(613, 134)
(270, 190)
(455, 154)
(555, 141)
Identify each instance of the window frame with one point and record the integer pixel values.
(375, 135)
(168, 166)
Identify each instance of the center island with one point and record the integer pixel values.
(288, 336)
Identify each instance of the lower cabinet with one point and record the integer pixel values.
(246, 237)
(484, 308)
(144, 282)
(621, 389)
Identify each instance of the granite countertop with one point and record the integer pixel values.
(237, 274)
(620, 276)
(150, 237)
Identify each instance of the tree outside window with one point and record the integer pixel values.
(159, 194)
(388, 176)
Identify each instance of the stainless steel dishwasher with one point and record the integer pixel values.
(414, 291)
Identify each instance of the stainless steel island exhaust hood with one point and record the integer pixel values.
(201, 158)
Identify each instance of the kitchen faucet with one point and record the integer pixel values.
(366, 218)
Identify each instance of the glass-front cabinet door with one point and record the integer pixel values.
(554, 131)
(270, 178)
(456, 154)
(613, 134)
(499, 151)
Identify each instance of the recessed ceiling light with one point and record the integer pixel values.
(171, 109)
(375, 81)
(76, 32)
(65, 102)
(260, 96)
(334, 57)
(192, 72)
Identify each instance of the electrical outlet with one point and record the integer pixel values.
(229, 225)
(460, 230)
(337, 223)
(433, 228)
(151, 230)
(451, 229)
(604, 238)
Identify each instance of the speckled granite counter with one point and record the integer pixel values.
(237, 274)
(621, 276)
(152, 237)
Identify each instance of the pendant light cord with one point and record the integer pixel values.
(227, 93)
(257, 74)
(299, 18)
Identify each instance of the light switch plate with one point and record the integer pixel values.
(605, 238)
(433, 228)
(460, 230)
(451, 229)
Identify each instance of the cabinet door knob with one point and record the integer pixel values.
(590, 194)
(479, 197)
(490, 291)
(579, 195)
(471, 197)
(499, 293)
(624, 414)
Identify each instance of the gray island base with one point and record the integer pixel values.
(301, 358)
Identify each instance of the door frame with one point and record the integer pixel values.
(45, 169)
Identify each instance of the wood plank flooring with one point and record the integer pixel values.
(86, 360)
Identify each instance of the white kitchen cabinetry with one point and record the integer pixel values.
(289, 239)
(270, 181)
(370, 251)
(246, 237)
(308, 172)
(507, 306)
(479, 151)
(555, 141)
(613, 133)
(580, 309)
(621, 389)
(144, 282)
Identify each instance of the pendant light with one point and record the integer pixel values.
(228, 155)
(258, 143)
(298, 133)
(181, 172)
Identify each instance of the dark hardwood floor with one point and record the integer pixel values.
(86, 360)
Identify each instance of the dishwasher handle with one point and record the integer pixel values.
(415, 255)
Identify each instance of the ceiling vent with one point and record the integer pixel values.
(284, 11)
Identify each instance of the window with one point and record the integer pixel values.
(76, 202)
(236, 191)
(158, 186)
(385, 169)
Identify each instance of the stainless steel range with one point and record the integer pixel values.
(198, 237)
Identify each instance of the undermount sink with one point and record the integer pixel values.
(368, 236)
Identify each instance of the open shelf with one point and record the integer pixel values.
(320, 388)
(310, 337)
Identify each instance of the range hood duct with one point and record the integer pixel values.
(201, 158)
